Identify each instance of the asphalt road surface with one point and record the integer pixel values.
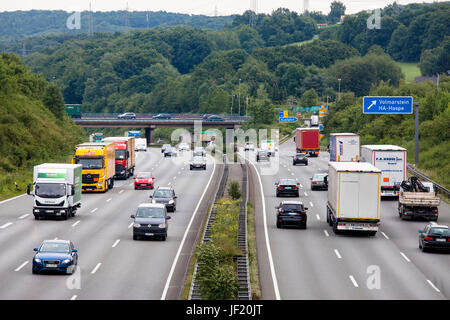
(111, 264)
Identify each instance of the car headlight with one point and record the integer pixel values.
(66, 261)
(162, 225)
(170, 201)
(136, 225)
(37, 260)
(153, 201)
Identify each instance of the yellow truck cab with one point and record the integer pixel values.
(98, 161)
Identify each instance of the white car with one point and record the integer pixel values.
(184, 147)
(249, 146)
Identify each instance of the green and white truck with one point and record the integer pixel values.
(56, 190)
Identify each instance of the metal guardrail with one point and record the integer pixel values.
(422, 176)
(114, 115)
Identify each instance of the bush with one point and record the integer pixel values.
(234, 190)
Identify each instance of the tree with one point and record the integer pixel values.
(436, 60)
(309, 98)
(337, 10)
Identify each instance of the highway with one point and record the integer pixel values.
(112, 265)
(317, 264)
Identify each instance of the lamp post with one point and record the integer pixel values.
(339, 88)
(239, 96)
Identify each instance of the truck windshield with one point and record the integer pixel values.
(50, 190)
(120, 154)
(91, 163)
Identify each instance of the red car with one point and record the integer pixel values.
(143, 180)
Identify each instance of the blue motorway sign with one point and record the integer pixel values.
(286, 119)
(388, 105)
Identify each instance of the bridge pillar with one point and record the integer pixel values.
(150, 135)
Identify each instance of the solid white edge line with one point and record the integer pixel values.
(433, 286)
(10, 199)
(96, 268)
(404, 256)
(353, 281)
(175, 261)
(266, 234)
(21, 266)
(337, 253)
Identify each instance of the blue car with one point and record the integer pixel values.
(55, 255)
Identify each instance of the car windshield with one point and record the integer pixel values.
(301, 155)
(319, 176)
(90, 163)
(55, 247)
(197, 159)
(143, 176)
(292, 207)
(285, 182)
(149, 212)
(440, 232)
(50, 190)
(163, 194)
(120, 154)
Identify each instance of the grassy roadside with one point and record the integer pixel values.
(22, 177)
(252, 253)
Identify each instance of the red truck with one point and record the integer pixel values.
(125, 156)
(307, 141)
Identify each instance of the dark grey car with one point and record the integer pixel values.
(434, 236)
(150, 220)
(166, 196)
(198, 163)
(262, 156)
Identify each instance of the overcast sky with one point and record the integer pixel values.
(208, 7)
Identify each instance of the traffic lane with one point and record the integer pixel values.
(435, 264)
(353, 270)
(302, 266)
(148, 261)
(84, 230)
(22, 207)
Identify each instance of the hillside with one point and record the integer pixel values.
(33, 125)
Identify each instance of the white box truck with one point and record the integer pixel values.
(353, 197)
(344, 147)
(391, 160)
(56, 190)
(141, 144)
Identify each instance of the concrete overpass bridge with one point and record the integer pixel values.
(146, 122)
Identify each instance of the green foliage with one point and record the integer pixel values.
(33, 124)
(437, 60)
(337, 10)
(234, 190)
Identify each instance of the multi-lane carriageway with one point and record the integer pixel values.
(294, 264)
(113, 266)
(317, 264)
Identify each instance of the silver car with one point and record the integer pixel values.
(319, 181)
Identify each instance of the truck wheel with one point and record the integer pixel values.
(65, 216)
(335, 229)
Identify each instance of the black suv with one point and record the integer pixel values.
(287, 187)
(165, 195)
(300, 158)
(434, 236)
(291, 213)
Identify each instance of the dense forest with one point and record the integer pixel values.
(33, 124)
(271, 64)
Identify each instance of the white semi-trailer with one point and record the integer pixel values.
(391, 160)
(344, 147)
(56, 190)
(353, 197)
